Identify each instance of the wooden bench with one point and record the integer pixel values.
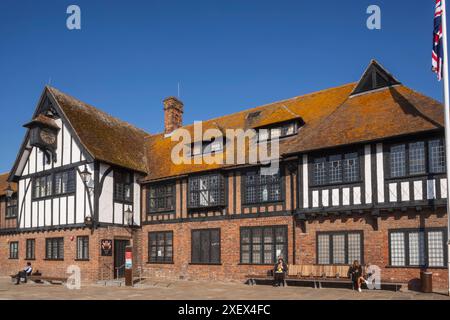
(42, 279)
(319, 276)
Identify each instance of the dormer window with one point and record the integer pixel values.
(207, 147)
(278, 131)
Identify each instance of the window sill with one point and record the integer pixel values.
(331, 185)
(53, 197)
(156, 262)
(415, 267)
(258, 264)
(13, 258)
(46, 259)
(267, 203)
(83, 260)
(414, 176)
(160, 212)
(126, 202)
(204, 264)
(30, 259)
(10, 218)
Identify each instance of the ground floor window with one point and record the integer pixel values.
(54, 249)
(339, 247)
(160, 247)
(205, 246)
(83, 248)
(263, 245)
(417, 248)
(14, 250)
(30, 249)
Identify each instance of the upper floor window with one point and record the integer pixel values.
(11, 207)
(123, 186)
(411, 158)
(206, 191)
(341, 168)
(280, 131)
(261, 188)
(56, 184)
(161, 198)
(437, 156)
(207, 147)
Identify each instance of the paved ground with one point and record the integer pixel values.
(198, 290)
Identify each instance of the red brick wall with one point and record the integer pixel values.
(94, 269)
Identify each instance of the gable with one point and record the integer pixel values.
(375, 77)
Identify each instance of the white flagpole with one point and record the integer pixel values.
(447, 126)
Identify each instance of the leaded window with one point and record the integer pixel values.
(123, 186)
(398, 161)
(11, 207)
(277, 132)
(417, 248)
(54, 185)
(339, 247)
(206, 191)
(161, 198)
(437, 156)
(160, 247)
(336, 169)
(205, 246)
(260, 188)
(263, 245)
(54, 248)
(83, 248)
(417, 157)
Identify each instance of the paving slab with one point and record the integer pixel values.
(156, 289)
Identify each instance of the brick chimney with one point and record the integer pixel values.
(173, 114)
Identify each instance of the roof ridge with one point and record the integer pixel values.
(265, 105)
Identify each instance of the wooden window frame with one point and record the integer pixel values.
(258, 185)
(14, 250)
(71, 185)
(84, 249)
(167, 195)
(220, 189)
(406, 232)
(164, 260)
(274, 244)
(59, 244)
(117, 177)
(33, 249)
(202, 231)
(346, 233)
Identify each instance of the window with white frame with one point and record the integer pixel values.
(417, 248)
(339, 247)
(279, 131)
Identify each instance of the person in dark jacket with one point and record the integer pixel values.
(279, 272)
(355, 273)
(26, 272)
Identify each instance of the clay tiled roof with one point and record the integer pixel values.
(330, 118)
(4, 183)
(106, 138)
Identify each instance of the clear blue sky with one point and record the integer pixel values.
(228, 54)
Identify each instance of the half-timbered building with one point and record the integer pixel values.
(361, 177)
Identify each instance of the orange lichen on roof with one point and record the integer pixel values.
(4, 184)
(106, 138)
(390, 112)
(311, 108)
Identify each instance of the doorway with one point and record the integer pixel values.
(119, 257)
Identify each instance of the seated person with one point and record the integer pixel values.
(27, 271)
(279, 272)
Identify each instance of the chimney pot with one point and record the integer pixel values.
(173, 114)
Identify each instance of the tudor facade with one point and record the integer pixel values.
(362, 177)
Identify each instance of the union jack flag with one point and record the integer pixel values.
(437, 61)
